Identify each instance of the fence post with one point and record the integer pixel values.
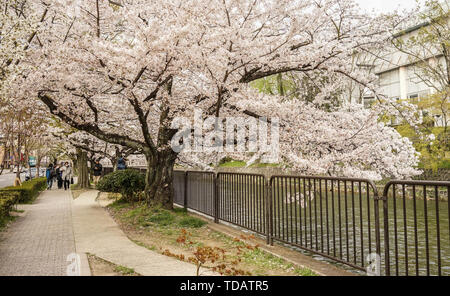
(185, 183)
(386, 231)
(216, 198)
(269, 220)
(383, 198)
(377, 225)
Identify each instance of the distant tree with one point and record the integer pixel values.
(23, 128)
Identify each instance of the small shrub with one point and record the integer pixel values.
(126, 182)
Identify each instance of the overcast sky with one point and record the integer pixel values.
(386, 5)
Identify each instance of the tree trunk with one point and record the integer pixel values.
(159, 179)
(18, 159)
(114, 163)
(83, 171)
(38, 166)
(2, 159)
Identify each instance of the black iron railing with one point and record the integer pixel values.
(416, 228)
(333, 217)
(405, 230)
(242, 200)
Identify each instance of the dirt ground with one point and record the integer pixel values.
(77, 192)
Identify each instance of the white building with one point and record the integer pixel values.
(399, 78)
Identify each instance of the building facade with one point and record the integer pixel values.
(399, 77)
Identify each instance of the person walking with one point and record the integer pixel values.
(58, 171)
(121, 165)
(67, 175)
(98, 168)
(50, 174)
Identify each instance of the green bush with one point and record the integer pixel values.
(7, 202)
(28, 191)
(126, 182)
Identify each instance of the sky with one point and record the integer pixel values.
(386, 5)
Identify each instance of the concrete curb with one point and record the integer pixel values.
(85, 269)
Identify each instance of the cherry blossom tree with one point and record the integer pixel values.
(24, 128)
(18, 25)
(124, 72)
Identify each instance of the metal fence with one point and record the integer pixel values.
(242, 200)
(343, 219)
(333, 217)
(416, 228)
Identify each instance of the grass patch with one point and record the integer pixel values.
(265, 165)
(141, 244)
(191, 222)
(144, 216)
(304, 271)
(124, 270)
(269, 261)
(119, 204)
(233, 164)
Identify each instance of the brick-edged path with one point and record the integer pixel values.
(39, 242)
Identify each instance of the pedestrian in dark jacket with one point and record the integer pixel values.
(50, 174)
(58, 172)
(121, 165)
(98, 168)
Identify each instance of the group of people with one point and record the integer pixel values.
(63, 173)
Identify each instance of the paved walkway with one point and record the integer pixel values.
(97, 233)
(55, 226)
(39, 241)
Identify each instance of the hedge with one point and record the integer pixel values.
(28, 191)
(7, 201)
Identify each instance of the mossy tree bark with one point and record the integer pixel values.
(82, 168)
(159, 179)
